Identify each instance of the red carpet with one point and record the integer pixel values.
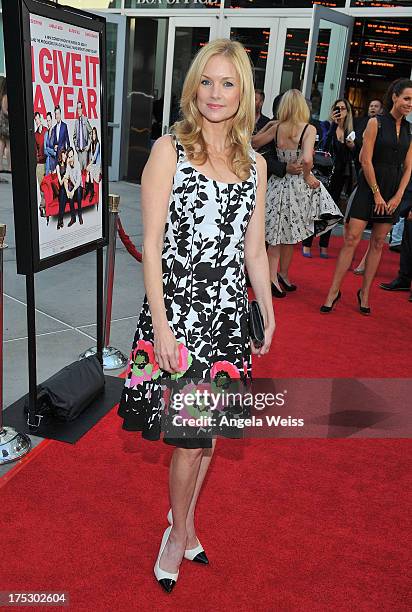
(289, 525)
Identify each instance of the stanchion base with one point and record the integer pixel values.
(13, 445)
(113, 358)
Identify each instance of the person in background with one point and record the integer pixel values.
(296, 206)
(61, 132)
(375, 107)
(39, 135)
(49, 145)
(261, 119)
(93, 168)
(4, 128)
(81, 136)
(403, 281)
(386, 159)
(61, 168)
(340, 144)
(73, 186)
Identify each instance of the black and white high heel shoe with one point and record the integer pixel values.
(197, 554)
(166, 580)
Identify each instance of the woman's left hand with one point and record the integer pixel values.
(269, 331)
(392, 204)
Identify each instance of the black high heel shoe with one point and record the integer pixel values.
(365, 310)
(277, 292)
(324, 309)
(286, 285)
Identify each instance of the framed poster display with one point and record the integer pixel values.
(56, 72)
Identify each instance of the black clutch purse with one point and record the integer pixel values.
(256, 324)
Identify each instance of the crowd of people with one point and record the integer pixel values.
(209, 204)
(56, 156)
(370, 160)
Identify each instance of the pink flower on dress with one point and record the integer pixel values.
(144, 365)
(223, 372)
(185, 361)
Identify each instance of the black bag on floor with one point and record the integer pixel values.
(66, 394)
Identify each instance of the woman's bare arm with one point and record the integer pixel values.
(365, 158)
(265, 135)
(256, 258)
(156, 186)
(394, 202)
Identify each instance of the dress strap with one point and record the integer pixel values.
(180, 151)
(301, 137)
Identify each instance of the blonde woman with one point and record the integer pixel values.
(340, 142)
(203, 198)
(297, 206)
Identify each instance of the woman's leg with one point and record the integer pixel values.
(360, 268)
(352, 236)
(286, 256)
(324, 242)
(190, 519)
(377, 240)
(273, 257)
(183, 473)
(306, 245)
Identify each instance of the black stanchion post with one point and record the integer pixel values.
(100, 297)
(32, 353)
(13, 445)
(113, 358)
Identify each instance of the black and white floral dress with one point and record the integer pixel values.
(205, 298)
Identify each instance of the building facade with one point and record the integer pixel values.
(356, 47)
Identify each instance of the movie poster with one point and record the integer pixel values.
(67, 130)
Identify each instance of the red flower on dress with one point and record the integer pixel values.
(223, 372)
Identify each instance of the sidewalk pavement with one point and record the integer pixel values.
(66, 302)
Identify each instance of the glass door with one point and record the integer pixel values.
(115, 44)
(185, 37)
(291, 54)
(328, 56)
(259, 37)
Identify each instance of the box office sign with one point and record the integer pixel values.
(58, 117)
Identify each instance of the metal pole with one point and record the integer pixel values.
(113, 358)
(13, 445)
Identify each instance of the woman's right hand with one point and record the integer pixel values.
(380, 204)
(166, 349)
(312, 182)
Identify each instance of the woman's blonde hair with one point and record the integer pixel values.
(348, 123)
(293, 110)
(189, 129)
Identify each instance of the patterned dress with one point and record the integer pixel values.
(205, 298)
(294, 211)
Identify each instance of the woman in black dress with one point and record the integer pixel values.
(386, 159)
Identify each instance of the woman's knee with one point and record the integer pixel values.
(352, 238)
(190, 455)
(377, 242)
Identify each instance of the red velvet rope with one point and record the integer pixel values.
(127, 242)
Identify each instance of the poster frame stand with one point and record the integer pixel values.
(17, 39)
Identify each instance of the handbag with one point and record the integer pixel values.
(322, 166)
(256, 324)
(66, 394)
